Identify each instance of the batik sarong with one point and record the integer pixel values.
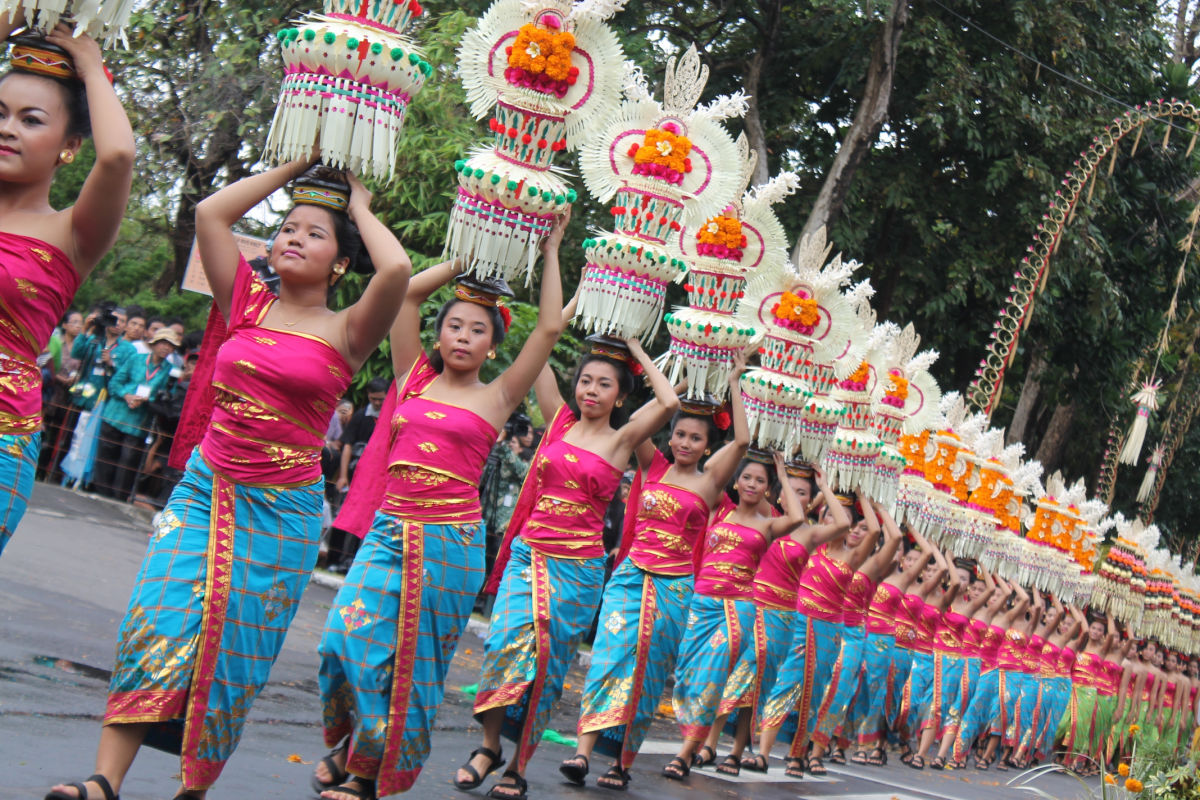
(940, 694)
(642, 619)
(756, 671)
(877, 689)
(831, 715)
(718, 630)
(18, 464)
(1056, 693)
(802, 680)
(383, 667)
(918, 691)
(958, 697)
(218, 588)
(983, 714)
(543, 610)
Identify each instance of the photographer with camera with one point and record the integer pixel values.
(126, 417)
(100, 351)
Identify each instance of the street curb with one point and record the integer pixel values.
(475, 626)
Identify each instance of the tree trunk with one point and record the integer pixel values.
(1049, 451)
(1027, 402)
(864, 128)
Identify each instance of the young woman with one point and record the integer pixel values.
(721, 615)
(551, 567)
(885, 670)
(1082, 733)
(1052, 688)
(233, 549)
(775, 612)
(978, 641)
(414, 580)
(646, 600)
(832, 716)
(50, 101)
(807, 672)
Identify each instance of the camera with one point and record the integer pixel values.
(518, 425)
(106, 317)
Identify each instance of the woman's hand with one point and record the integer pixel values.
(739, 366)
(360, 196)
(555, 236)
(83, 50)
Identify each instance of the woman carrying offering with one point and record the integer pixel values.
(50, 101)
(721, 617)
(394, 626)
(233, 549)
(646, 600)
(550, 568)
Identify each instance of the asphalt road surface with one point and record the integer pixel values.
(64, 582)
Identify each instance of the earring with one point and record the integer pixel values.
(707, 452)
(437, 345)
(620, 403)
(66, 156)
(339, 271)
(491, 355)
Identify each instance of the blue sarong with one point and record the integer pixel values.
(18, 465)
(544, 608)
(902, 664)
(642, 619)
(718, 630)
(749, 684)
(831, 714)
(920, 691)
(800, 685)
(218, 588)
(389, 640)
(876, 690)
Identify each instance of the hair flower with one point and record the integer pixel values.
(722, 420)
(506, 316)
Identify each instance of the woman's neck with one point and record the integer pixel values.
(308, 297)
(459, 379)
(18, 198)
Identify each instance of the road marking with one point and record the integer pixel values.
(889, 781)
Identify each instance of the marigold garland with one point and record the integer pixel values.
(663, 154)
(798, 313)
(897, 390)
(857, 381)
(541, 60)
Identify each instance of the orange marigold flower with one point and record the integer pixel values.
(1134, 730)
(861, 374)
(1123, 770)
(664, 148)
(898, 387)
(1133, 785)
(1110, 780)
(793, 308)
(723, 231)
(542, 52)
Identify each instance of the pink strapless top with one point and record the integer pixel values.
(779, 573)
(927, 619)
(991, 641)
(973, 638)
(274, 393)
(948, 634)
(435, 463)
(1066, 662)
(1088, 670)
(670, 521)
(1012, 652)
(1031, 659)
(1112, 683)
(1048, 660)
(885, 609)
(730, 560)
(1169, 695)
(858, 600)
(37, 282)
(908, 627)
(823, 587)
(573, 490)
(1147, 687)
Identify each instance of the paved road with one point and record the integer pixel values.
(64, 582)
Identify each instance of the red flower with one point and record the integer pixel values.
(636, 369)
(723, 420)
(506, 315)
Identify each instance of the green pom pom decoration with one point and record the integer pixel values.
(309, 35)
(376, 48)
(479, 173)
(618, 247)
(397, 54)
(495, 180)
(413, 58)
(512, 186)
(572, 195)
(547, 196)
(532, 191)
(459, 164)
(352, 43)
(282, 35)
(330, 37)
(426, 68)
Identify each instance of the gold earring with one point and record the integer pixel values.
(707, 452)
(620, 403)
(66, 156)
(437, 345)
(491, 355)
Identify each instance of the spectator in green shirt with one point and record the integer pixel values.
(126, 417)
(99, 351)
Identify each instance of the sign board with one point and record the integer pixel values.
(194, 279)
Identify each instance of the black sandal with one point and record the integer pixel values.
(676, 769)
(938, 763)
(617, 779)
(860, 758)
(699, 760)
(756, 763)
(879, 760)
(917, 762)
(982, 763)
(338, 774)
(906, 757)
(518, 787)
(794, 768)
(816, 766)
(496, 761)
(730, 765)
(571, 770)
(361, 788)
(97, 779)
(838, 756)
